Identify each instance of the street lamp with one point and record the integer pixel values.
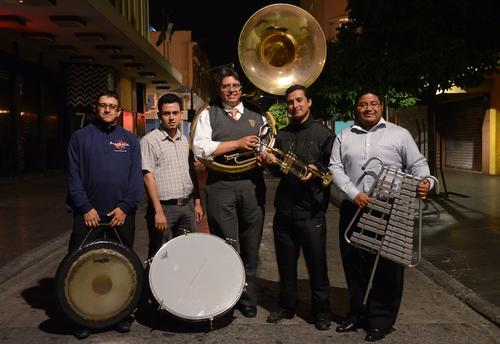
(192, 111)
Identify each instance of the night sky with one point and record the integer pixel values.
(216, 25)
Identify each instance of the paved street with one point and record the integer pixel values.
(430, 312)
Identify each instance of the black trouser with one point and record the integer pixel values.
(385, 296)
(290, 235)
(235, 210)
(179, 217)
(80, 231)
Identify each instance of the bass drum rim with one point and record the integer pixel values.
(175, 312)
(65, 267)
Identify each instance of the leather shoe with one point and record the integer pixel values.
(375, 334)
(248, 311)
(347, 326)
(123, 326)
(279, 314)
(81, 333)
(322, 321)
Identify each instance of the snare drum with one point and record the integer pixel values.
(197, 277)
(99, 284)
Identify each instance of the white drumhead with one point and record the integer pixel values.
(197, 276)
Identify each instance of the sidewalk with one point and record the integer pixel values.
(29, 312)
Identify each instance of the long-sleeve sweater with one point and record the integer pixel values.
(104, 170)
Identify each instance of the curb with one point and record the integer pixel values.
(32, 257)
(466, 295)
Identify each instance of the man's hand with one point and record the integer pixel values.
(117, 217)
(248, 143)
(423, 189)
(198, 210)
(160, 221)
(309, 175)
(361, 200)
(91, 218)
(266, 158)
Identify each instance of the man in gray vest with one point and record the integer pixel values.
(235, 201)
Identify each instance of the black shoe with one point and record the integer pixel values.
(248, 311)
(376, 334)
(279, 314)
(347, 326)
(123, 326)
(81, 333)
(322, 321)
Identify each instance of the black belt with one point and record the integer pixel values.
(178, 201)
(232, 176)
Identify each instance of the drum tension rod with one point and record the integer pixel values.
(230, 241)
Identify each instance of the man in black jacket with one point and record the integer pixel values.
(301, 203)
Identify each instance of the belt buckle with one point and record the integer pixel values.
(182, 201)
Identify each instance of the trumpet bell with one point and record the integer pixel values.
(281, 45)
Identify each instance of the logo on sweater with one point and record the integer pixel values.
(252, 122)
(120, 145)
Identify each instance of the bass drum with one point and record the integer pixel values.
(197, 277)
(99, 284)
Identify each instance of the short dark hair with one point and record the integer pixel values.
(296, 87)
(225, 72)
(109, 94)
(366, 91)
(169, 98)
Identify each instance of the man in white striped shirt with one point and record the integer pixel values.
(371, 136)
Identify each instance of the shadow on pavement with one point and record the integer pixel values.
(43, 296)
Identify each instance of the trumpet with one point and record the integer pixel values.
(287, 162)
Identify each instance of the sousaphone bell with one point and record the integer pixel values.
(280, 45)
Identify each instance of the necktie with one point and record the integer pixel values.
(234, 112)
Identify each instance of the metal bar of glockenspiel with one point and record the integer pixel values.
(369, 193)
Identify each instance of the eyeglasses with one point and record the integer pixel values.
(110, 106)
(168, 113)
(226, 87)
(372, 105)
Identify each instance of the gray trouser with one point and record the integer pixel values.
(179, 217)
(235, 210)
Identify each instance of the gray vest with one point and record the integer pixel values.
(224, 128)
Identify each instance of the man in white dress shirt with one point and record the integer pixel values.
(371, 136)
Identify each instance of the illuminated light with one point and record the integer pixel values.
(40, 36)
(68, 21)
(109, 49)
(90, 36)
(123, 57)
(147, 74)
(9, 19)
(134, 65)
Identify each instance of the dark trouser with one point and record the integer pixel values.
(80, 231)
(289, 236)
(235, 210)
(387, 290)
(179, 217)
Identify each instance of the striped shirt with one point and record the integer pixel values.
(168, 160)
(387, 141)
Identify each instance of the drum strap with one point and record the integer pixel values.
(100, 226)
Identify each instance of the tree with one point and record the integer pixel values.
(414, 47)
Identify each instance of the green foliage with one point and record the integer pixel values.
(279, 113)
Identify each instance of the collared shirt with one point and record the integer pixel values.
(387, 141)
(203, 145)
(168, 160)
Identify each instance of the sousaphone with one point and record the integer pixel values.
(280, 45)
